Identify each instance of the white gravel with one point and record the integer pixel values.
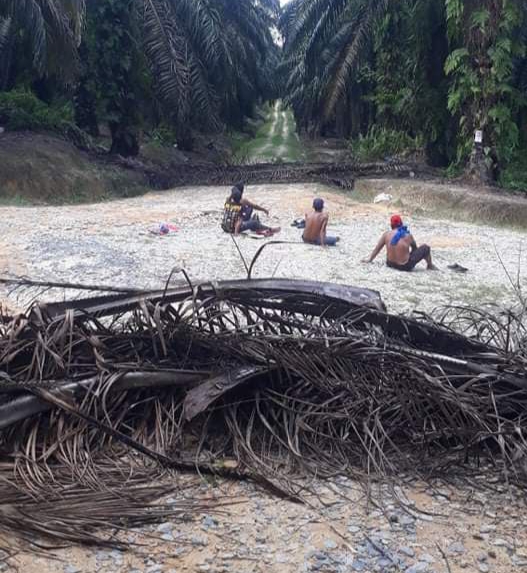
(109, 243)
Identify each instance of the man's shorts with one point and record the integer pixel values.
(330, 241)
(252, 225)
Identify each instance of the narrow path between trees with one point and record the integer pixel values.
(276, 140)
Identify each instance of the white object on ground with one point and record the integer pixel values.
(383, 198)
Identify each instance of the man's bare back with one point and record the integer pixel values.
(399, 253)
(316, 224)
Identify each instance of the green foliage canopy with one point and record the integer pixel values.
(435, 69)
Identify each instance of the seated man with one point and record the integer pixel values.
(316, 226)
(238, 214)
(402, 252)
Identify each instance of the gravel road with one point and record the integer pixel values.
(438, 530)
(462, 528)
(110, 243)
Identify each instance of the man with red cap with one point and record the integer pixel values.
(402, 252)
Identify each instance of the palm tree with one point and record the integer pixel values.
(211, 59)
(328, 41)
(210, 62)
(486, 39)
(325, 41)
(51, 31)
(335, 51)
(5, 26)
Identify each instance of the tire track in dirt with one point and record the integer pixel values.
(278, 141)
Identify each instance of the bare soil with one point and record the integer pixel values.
(489, 206)
(45, 169)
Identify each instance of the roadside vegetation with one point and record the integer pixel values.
(389, 73)
(382, 143)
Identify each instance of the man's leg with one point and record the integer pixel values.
(429, 264)
(252, 225)
(255, 226)
(428, 258)
(422, 253)
(332, 241)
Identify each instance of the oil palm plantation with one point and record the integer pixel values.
(212, 59)
(436, 68)
(201, 63)
(208, 63)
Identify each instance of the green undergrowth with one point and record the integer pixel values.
(239, 139)
(514, 176)
(21, 110)
(15, 201)
(381, 143)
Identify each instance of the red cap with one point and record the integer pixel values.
(396, 221)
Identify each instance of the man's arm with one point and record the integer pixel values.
(377, 250)
(323, 229)
(413, 244)
(237, 226)
(255, 206)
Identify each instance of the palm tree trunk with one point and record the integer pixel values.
(355, 111)
(480, 167)
(6, 58)
(185, 140)
(125, 140)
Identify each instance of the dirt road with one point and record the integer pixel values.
(110, 243)
(463, 529)
(276, 140)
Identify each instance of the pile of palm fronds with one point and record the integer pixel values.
(268, 379)
(342, 174)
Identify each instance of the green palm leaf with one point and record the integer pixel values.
(54, 30)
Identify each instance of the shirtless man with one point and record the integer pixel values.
(316, 226)
(402, 252)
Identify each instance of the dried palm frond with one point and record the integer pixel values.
(342, 174)
(281, 379)
(60, 512)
